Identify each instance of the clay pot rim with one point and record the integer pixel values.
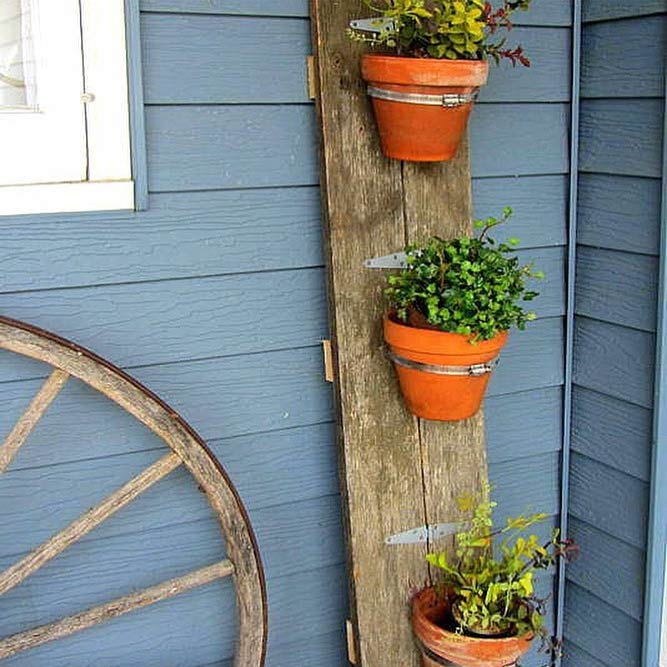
(435, 72)
(459, 638)
(417, 339)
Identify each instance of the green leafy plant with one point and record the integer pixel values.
(470, 286)
(449, 29)
(490, 580)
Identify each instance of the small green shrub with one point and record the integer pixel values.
(470, 286)
(449, 29)
(491, 577)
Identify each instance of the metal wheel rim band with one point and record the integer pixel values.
(448, 100)
(474, 370)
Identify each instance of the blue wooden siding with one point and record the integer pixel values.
(616, 292)
(214, 297)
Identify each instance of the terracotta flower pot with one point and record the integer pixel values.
(443, 376)
(422, 105)
(430, 614)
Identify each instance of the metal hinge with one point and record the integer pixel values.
(397, 260)
(376, 24)
(424, 534)
(313, 88)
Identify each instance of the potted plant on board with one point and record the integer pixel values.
(450, 311)
(424, 87)
(484, 611)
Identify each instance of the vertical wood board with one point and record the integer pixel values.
(397, 472)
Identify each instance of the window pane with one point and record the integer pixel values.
(17, 59)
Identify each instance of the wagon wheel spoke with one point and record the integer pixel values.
(28, 420)
(243, 561)
(15, 574)
(96, 615)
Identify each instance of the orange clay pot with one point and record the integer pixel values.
(421, 132)
(440, 397)
(440, 646)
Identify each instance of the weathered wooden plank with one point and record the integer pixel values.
(608, 499)
(195, 318)
(631, 72)
(256, 60)
(48, 550)
(28, 419)
(241, 146)
(613, 142)
(616, 9)
(609, 645)
(613, 432)
(179, 236)
(543, 12)
(265, 62)
(608, 568)
(617, 287)
(614, 360)
(34, 637)
(619, 213)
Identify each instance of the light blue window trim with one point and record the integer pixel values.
(657, 538)
(136, 101)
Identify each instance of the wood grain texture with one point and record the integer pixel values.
(181, 235)
(631, 72)
(607, 644)
(617, 287)
(29, 639)
(542, 13)
(28, 419)
(614, 360)
(609, 500)
(613, 432)
(609, 568)
(619, 213)
(613, 142)
(616, 9)
(374, 206)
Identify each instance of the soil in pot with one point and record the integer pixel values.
(433, 369)
(433, 625)
(422, 105)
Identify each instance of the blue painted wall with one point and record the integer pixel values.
(214, 297)
(617, 272)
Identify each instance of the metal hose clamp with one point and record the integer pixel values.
(475, 370)
(448, 100)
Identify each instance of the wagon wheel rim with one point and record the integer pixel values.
(243, 561)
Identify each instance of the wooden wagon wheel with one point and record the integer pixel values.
(188, 449)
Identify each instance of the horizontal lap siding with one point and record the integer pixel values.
(214, 297)
(616, 298)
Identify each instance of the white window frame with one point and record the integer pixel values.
(105, 94)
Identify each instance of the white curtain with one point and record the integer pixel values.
(18, 85)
